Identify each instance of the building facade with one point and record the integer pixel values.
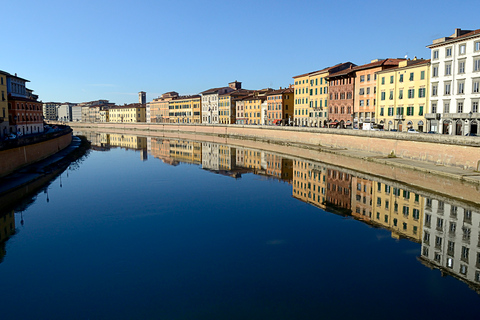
(210, 99)
(50, 110)
(341, 88)
(182, 109)
(130, 113)
(403, 95)
(365, 90)
(280, 106)
(159, 109)
(451, 240)
(455, 84)
(3, 105)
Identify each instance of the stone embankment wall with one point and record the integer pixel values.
(16, 158)
(455, 151)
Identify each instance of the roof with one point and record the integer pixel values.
(14, 98)
(452, 38)
(343, 72)
(280, 91)
(132, 105)
(196, 96)
(213, 90)
(321, 70)
(239, 92)
(411, 63)
(379, 63)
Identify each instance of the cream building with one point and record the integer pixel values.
(131, 113)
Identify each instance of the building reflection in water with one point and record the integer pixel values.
(451, 240)
(7, 229)
(448, 232)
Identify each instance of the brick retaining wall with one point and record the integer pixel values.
(455, 151)
(16, 158)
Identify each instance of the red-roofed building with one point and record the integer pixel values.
(364, 99)
(341, 88)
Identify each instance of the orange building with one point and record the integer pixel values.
(366, 89)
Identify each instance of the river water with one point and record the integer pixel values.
(166, 228)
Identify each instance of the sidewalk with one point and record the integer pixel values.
(450, 172)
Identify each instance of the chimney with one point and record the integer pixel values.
(458, 32)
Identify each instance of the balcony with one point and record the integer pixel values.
(399, 117)
(432, 116)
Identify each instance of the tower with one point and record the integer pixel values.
(142, 97)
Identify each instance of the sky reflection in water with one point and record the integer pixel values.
(125, 238)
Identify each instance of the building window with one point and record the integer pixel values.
(446, 107)
(434, 90)
(475, 106)
(447, 88)
(434, 107)
(461, 66)
(391, 79)
(435, 71)
(362, 91)
(411, 76)
(461, 87)
(476, 86)
(362, 78)
(448, 52)
(382, 96)
(448, 69)
(383, 80)
(435, 55)
(421, 93)
(391, 95)
(400, 78)
(459, 107)
(422, 75)
(462, 49)
(411, 93)
(476, 64)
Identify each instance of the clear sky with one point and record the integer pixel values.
(87, 50)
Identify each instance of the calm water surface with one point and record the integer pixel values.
(170, 229)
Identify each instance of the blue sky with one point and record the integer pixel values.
(89, 50)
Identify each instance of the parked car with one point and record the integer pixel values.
(432, 132)
(412, 131)
(471, 134)
(10, 136)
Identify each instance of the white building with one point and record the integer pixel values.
(65, 112)
(210, 156)
(50, 110)
(455, 83)
(210, 101)
(76, 113)
(451, 240)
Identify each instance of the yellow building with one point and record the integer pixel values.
(362, 190)
(130, 113)
(318, 92)
(3, 104)
(104, 116)
(311, 96)
(227, 105)
(185, 109)
(398, 210)
(253, 109)
(128, 141)
(403, 96)
(301, 105)
(159, 111)
(186, 151)
(309, 183)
